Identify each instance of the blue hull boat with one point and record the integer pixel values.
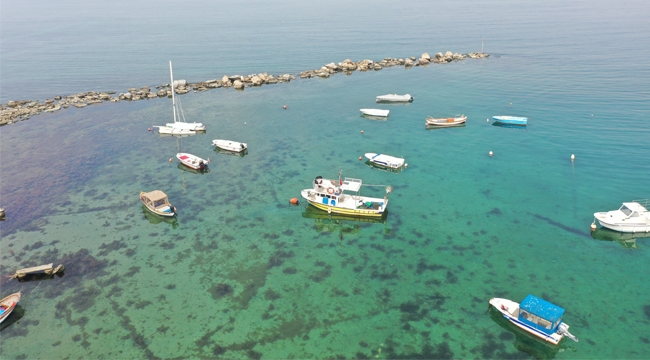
(511, 120)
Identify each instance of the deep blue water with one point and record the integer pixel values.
(240, 273)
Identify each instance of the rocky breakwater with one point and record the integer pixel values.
(14, 111)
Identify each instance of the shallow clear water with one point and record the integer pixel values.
(242, 274)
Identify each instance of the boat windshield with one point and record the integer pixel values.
(159, 202)
(625, 210)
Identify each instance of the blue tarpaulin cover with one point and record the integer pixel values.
(542, 308)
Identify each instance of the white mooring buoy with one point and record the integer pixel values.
(573, 157)
(490, 153)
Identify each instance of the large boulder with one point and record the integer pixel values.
(238, 84)
(425, 56)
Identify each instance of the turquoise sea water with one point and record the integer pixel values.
(242, 274)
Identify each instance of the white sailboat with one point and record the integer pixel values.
(178, 127)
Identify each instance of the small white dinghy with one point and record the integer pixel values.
(385, 160)
(456, 120)
(192, 161)
(375, 112)
(394, 98)
(8, 304)
(230, 145)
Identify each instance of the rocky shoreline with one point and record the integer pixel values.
(18, 110)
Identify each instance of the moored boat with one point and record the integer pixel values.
(456, 120)
(632, 217)
(375, 112)
(178, 127)
(156, 201)
(511, 120)
(342, 197)
(394, 98)
(385, 160)
(8, 304)
(230, 145)
(535, 316)
(192, 161)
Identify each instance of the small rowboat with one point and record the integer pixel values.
(156, 201)
(375, 112)
(8, 304)
(511, 120)
(394, 98)
(457, 120)
(192, 161)
(230, 145)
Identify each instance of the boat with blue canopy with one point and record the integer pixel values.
(536, 316)
(511, 120)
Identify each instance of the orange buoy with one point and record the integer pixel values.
(285, 107)
(148, 129)
(170, 159)
(294, 201)
(362, 131)
(360, 158)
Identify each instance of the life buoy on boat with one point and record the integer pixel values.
(330, 191)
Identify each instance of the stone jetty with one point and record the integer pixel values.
(17, 110)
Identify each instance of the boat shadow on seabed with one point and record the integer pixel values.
(627, 240)
(342, 224)
(156, 219)
(524, 342)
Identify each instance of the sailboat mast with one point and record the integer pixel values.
(172, 85)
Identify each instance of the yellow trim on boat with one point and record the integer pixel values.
(338, 210)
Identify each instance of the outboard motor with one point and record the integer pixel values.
(563, 329)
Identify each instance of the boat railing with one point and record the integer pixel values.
(643, 202)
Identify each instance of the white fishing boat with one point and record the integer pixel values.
(631, 217)
(385, 160)
(230, 145)
(156, 201)
(394, 98)
(453, 121)
(375, 112)
(535, 316)
(192, 161)
(179, 126)
(342, 197)
(8, 304)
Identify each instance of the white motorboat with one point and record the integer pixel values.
(342, 197)
(192, 161)
(631, 217)
(394, 98)
(385, 160)
(230, 145)
(375, 112)
(178, 127)
(535, 316)
(456, 120)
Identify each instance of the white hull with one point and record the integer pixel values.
(342, 197)
(632, 217)
(510, 310)
(192, 161)
(446, 121)
(385, 160)
(375, 112)
(187, 126)
(230, 145)
(168, 130)
(394, 98)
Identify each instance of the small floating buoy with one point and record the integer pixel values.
(487, 120)
(362, 131)
(406, 165)
(360, 158)
(170, 159)
(294, 201)
(284, 107)
(490, 153)
(593, 226)
(244, 122)
(510, 104)
(148, 129)
(573, 157)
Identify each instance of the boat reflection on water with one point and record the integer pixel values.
(203, 171)
(15, 315)
(525, 342)
(434, 127)
(627, 240)
(510, 126)
(387, 169)
(377, 118)
(226, 152)
(343, 224)
(155, 219)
